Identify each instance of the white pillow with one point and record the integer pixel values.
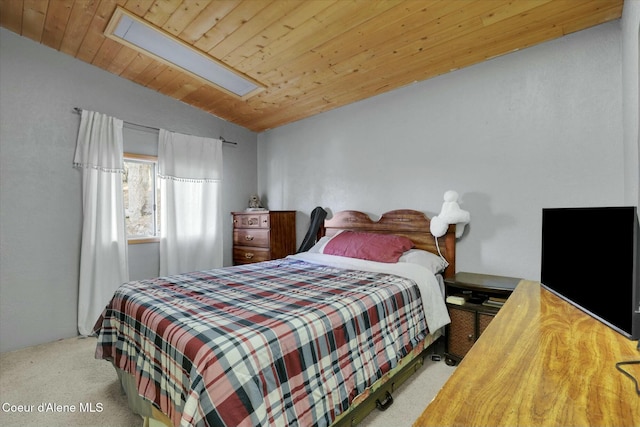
(320, 244)
(433, 262)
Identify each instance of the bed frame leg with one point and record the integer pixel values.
(386, 403)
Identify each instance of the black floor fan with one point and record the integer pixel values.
(317, 218)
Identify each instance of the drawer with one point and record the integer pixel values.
(250, 237)
(246, 255)
(483, 321)
(251, 221)
(462, 331)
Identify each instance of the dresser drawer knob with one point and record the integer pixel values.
(248, 255)
(248, 237)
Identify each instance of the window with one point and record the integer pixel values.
(141, 198)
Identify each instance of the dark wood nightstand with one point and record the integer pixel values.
(472, 300)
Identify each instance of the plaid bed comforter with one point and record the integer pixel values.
(283, 342)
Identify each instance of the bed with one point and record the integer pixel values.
(317, 338)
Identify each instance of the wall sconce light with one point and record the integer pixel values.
(450, 214)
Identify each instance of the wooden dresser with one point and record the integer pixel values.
(263, 235)
(541, 362)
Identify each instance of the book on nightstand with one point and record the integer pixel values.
(494, 302)
(457, 299)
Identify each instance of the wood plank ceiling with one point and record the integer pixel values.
(311, 56)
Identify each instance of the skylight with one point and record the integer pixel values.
(141, 36)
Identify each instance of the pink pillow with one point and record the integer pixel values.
(369, 246)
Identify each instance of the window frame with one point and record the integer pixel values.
(154, 160)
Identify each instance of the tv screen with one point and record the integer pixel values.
(590, 258)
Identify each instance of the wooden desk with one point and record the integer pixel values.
(541, 362)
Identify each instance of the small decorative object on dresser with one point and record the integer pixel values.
(263, 235)
(473, 300)
(255, 204)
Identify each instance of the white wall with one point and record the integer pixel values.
(40, 199)
(631, 98)
(537, 128)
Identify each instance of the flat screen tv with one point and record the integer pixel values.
(590, 258)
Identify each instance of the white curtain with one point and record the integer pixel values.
(190, 170)
(103, 256)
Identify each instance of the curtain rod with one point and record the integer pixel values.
(78, 110)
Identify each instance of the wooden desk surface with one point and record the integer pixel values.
(541, 362)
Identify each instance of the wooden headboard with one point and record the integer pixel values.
(403, 222)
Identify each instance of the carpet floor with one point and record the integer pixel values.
(62, 384)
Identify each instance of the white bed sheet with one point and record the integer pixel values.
(431, 291)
